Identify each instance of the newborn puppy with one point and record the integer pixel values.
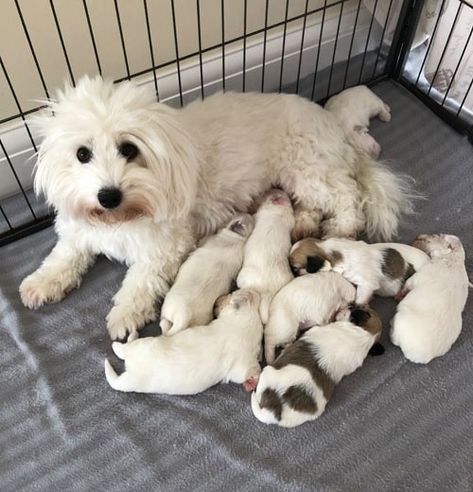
(305, 302)
(204, 276)
(265, 265)
(429, 318)
(354, 108)
(374, 268)
(193, 360)
(297, 387)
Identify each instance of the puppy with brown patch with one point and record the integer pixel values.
(204, 276)
(428, 319)
(305, 302)
(265, 264)
(298, 385)
(374, 268)
(226, 350)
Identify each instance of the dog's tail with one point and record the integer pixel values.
(385, 197)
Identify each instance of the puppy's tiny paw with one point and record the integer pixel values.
(385, 115)
(251, 383)
(37, 290)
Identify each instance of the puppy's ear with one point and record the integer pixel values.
(377, 349)
(314, 263)
(359, 317)
(453, 241)
(242, 225)
(220, 303)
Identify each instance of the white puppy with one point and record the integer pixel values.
(298, 385)
(429, 318)
(193, 360)
(265, 265)
(374, 268)
(354, 108)
(305, 302)
(206, 275)
(139, 181)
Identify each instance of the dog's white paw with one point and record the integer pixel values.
(385, 114)
(123, 320)
(38, 289)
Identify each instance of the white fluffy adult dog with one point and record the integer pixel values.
(205, 276)
(429, 318)
(195, 359)
(265, 264)
(138, 181)
(354, 108)
(305, 302)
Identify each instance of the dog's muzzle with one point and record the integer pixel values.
(109, 197)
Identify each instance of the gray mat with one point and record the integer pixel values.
(392, 425)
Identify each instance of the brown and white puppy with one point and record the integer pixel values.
(305, 302)
(265, 265)
(428, 319)
(298, 385)
(379, 268)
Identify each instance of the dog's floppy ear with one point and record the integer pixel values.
(376, 349)
(359, 317)
(171, 155)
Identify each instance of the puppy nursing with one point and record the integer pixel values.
(305, 302)
(204, 276)
(429, 318)
(265, 264)
(298, 385)
(193, 360)
(374, 268)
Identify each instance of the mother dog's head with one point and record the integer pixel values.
(111, 153)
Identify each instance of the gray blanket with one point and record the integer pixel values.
(391, 425)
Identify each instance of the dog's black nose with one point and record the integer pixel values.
(109, 197)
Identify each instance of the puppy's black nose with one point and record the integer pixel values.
(109, 197)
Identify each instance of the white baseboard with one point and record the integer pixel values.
(19, 146)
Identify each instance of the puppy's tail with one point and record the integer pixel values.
(165, 325)
(386, 196)
(266, 298)
(119, 349)
(111, 376)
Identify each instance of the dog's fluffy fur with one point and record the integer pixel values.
(206, 275)
(305, 302)
(193, 169)
(374, 268)
(297, 387)
(265, 263)
(354, 108)
(429, 318)
(195, 359)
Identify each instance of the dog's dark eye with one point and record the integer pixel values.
(84, 154)
(128, 150)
